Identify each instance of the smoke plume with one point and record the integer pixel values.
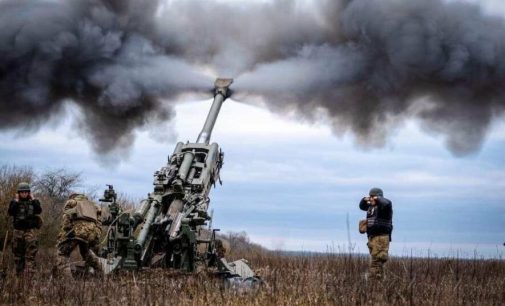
(97, 54)
(366, 65)
(436, 61)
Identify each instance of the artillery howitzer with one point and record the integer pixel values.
(171, 228)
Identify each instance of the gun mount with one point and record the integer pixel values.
(110, 196)
(171, 228)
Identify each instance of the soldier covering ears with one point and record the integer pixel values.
(25, 211)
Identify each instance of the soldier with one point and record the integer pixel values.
(25, 211)
(379, 227)
(81, 228)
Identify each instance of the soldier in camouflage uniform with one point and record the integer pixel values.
(379, 228)
(25, 212)
(81, 228)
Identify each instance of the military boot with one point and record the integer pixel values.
(62, 267)
(93, 261)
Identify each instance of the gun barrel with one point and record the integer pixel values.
(141, 212)
(149, 219)
(221, 93)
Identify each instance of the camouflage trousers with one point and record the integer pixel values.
(86, 237)
(379, 248)
(25, 245)
(66, 248)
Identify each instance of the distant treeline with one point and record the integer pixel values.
(53, 187)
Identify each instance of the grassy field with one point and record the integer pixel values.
(290, 280)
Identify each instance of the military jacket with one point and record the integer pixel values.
(88, 230)
(379, 217)
(25, 213)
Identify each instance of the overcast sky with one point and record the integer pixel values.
(292, 185)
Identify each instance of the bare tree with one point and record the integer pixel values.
(53, 188)
(57, 184)
(240, 245)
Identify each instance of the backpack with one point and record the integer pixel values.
(83, 210)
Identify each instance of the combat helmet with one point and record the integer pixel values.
(77, 196)
(376, 192)
(23, 186)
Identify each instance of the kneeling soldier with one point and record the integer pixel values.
(81, 228)
(25, 211)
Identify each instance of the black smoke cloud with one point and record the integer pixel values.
(366, 65)
(440, 62)
(98, 54)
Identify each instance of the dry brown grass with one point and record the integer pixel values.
(291, 280)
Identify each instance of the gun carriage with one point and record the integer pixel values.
(172, 227)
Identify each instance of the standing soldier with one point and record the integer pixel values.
(81, 227)
(379, 227)
(25, 212)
